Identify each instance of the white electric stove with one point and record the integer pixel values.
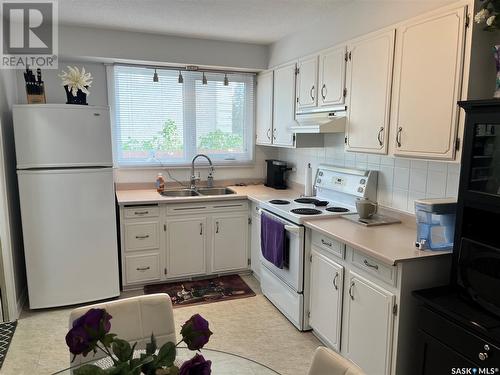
(336, 190)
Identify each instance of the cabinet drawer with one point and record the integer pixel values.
(141, 268)
(143, 235)
(374, 267)
(141, 211)
(329, 244)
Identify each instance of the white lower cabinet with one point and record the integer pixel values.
(230, 242)
(182, 240)
(186, 246)
(326, 298)
(255, 242)
(368, 325)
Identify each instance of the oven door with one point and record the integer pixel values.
(292, 273)
(479, 273)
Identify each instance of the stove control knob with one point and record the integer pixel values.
(320, 173)
(318, 180)
(362, 181)
(360, 189)
(483, 356)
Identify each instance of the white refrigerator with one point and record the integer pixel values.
(65, 176)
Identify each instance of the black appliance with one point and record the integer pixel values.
(459, 324)
(276, 170)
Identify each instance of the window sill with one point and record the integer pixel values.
(232, 164)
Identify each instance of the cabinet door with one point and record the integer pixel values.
(186, 245)
(264, 117)
(255, 246)
(284, 105)
(230, 242)
(428, 70)
(307, 83)
(326, 298)
(369, 322)
(369, 79)
(332, 64)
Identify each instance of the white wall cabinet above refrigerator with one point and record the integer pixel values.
(369, 78)
(427, 85)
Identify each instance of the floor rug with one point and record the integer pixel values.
(6, 333)
(198, 292)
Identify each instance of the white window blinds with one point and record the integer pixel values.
(167, 122)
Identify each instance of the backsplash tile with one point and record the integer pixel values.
(400, 182)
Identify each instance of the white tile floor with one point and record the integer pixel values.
(251, 327)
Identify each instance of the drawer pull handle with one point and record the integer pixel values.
(326, 243)
(142, 237)
(350, 291)
(141, 212)
(335, 281)
(368, 264)
(143, 268)
(201, 229)
(483, 356)
(216, 227)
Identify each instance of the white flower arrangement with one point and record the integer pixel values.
(488, 14)
(76, 80)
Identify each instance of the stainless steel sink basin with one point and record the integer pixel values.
(179, 193)
(215, 191)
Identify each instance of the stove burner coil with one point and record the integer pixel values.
(337, 209)
(305, 211)
(306, 200)
(279, 201)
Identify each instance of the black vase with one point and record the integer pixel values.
(80, 98)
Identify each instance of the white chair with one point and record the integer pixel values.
(328, 362)
(134, 319)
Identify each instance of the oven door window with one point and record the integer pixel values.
(485, 164)
(479, 273)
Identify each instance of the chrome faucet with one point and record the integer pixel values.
(194, 178)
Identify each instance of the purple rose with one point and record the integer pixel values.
(196, 366)
(195, 332)
(77, 340)
(87, 330)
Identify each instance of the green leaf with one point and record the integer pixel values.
(89, 370)
(166, 355)
(151, 347)
(107, 340)
(122, 350)
(119, 369)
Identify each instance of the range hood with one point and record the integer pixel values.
(321, 120)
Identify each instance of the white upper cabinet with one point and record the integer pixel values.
(369, 78)
(264, 110)
(427, 85)
(332, 65)
(307, 83)
(284, 105)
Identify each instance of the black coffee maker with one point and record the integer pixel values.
(276, 170)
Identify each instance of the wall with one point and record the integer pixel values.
(400, 181)
(101, 44)
(14, 275)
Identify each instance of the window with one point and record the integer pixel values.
(167, 122)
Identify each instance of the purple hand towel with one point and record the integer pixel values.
(272, 240)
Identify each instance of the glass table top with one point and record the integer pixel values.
(222, 363)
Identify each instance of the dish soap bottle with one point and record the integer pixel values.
(160, 183)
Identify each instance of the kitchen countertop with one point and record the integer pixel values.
(256, 193)
(388, 243)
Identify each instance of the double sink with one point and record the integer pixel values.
(197, 192)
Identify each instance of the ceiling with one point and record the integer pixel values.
(252, 21)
